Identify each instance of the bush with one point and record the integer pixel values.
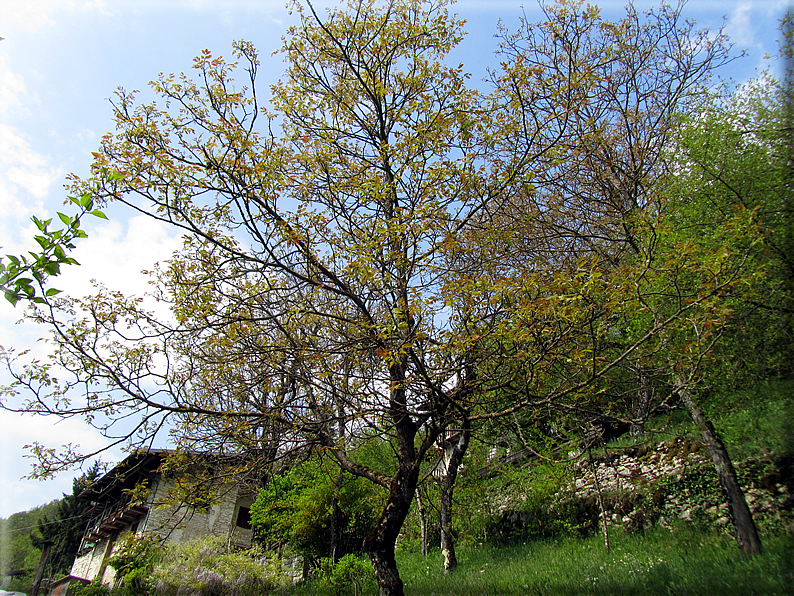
(133, 560)
(351, 575)
(205, 568)
(95, 588)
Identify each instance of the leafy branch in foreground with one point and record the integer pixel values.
(20, 277)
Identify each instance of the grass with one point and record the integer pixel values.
(687, 561)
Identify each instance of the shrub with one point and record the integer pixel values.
(205, 568)
(133, 559)
(351, 575)
(95, 588)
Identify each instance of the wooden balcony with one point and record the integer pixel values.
(109, 519)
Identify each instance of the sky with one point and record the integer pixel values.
(60, 63)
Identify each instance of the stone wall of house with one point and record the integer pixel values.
(175, 523)
(91, 564)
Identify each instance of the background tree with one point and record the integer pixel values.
(65, 528)
(297, 509)
(598, 213)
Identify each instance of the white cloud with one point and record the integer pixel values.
(116, 257)
(24, 429)
(739, 27)
(11, 85)
(31, 14)
(34, 180)
(24, 169)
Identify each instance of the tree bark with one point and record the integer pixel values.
(642, 404)
(336, 515)
(425, 536)
(602, 509)
(458, 450)
(381, 542)
(746, 532)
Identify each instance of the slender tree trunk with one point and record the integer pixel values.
(642, 404)
(746, 532)
(336, 515)
(423, 524)
(602, 509)
(336, 512)
(456, 452)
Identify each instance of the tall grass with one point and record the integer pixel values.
(689, 561)
(686, 561)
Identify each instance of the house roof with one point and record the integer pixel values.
(138, 463)
(136, 466)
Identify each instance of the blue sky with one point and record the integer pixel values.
(61, 61)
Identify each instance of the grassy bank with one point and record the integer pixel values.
(686, 561)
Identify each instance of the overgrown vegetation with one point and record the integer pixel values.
(17, 549)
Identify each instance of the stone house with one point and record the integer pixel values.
(120, 509)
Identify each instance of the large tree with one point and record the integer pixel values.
(308, 288)
(375, 267)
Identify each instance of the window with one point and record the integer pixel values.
(244, 518)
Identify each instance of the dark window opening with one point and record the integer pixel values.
(244, 518)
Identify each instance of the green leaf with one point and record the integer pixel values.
(12, 297)
(98, 213)
(86, 201)
(52, 292)
(65, 219)
(41, 225)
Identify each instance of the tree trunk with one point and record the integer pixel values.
(336, 512)
(602, 509)
(336, 520)
(381, 542)
(746, 532)
(423, 525)
(642, 404)
(455, 452)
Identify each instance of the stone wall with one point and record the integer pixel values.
(175, 523)
(172, 523)
(92, 564)
(642, 487)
